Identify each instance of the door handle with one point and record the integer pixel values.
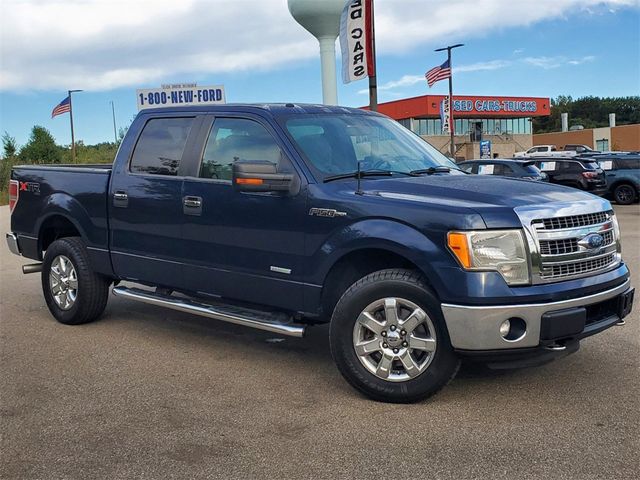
(192, 205)
(192, 202)
(120, 199)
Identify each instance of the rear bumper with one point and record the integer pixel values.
(12, 243)
(477, 328)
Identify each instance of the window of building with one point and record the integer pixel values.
(160, 146)
(233, 140)
(602, 145)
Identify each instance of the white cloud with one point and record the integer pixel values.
(105, 44)
(482, 66)
(557, 61)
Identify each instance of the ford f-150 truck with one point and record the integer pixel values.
(279, 217)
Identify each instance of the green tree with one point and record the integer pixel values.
(9, 146)
(41, 148)
(590, 112)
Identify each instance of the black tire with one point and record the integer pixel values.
(92, 288)
(405, 284)
(625, 194)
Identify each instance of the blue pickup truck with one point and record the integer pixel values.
(279, 217)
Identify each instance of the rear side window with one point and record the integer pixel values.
(572, 167)
(160, 146)
(628, 163)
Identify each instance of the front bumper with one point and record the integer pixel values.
(477, 328)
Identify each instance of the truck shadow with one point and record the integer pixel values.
(310, 353)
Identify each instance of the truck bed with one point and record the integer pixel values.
(45, 192)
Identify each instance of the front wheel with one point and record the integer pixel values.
(625, 194)
(388, 338)
(74, 293)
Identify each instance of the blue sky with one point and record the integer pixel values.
(536, 48)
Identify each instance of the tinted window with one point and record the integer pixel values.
(591, 165)
(469, 167)
(569, 167)
(160, 146)
(628, 163)
(501, 169)
(237, 139)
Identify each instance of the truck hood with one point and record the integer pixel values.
(495, 199)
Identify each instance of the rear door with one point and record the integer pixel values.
(145, 202)
(243, 245)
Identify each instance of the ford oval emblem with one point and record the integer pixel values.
(593, 241)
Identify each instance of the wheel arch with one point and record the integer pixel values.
(370, 246)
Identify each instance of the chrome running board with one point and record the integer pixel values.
(270, 322)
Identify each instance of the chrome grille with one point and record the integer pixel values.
(568, 245)
(572, 221)
(578, 268)
(564, 250)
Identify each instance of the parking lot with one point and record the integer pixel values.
(152, 393)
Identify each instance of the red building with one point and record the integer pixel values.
(504, 121)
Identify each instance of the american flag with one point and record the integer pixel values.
(438, 73)
(63, 107)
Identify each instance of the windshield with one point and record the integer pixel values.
(334, 144)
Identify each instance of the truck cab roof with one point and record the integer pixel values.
(276, 109)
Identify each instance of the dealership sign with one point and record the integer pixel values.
(495, 106)
(180, 95)
(356, 29)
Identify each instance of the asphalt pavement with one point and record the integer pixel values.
(152, 393)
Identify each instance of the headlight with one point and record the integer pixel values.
(499, 250)
(616, 232)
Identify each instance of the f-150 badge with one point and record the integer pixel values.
(326, 212)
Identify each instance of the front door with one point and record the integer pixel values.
(242, 245)
(145, 203)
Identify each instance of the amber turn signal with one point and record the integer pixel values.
(459, 245)
(249, 181)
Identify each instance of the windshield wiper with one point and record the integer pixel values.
(432, 170)
(368, 173)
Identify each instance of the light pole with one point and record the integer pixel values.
(113, 114)
(451, 122)
(73, 141)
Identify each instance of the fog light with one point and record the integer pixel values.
(513, 329)
(505, 327)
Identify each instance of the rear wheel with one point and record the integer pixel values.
(625, 194)
(388, 338)
(74, 293)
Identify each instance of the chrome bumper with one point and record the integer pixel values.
(12, 243)
(477, 328)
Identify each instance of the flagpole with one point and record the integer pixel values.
(113, 114)
(373, 80)
(452, 146)
(73, 141)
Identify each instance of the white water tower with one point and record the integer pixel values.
(321, 18)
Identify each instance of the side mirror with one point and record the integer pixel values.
(260, 176)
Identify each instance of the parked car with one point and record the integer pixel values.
(282, 216)
(505, 168)
(543, 151)
(584, 174)
(623, 176)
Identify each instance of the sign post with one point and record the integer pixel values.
(73, 140)
(452, 133)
